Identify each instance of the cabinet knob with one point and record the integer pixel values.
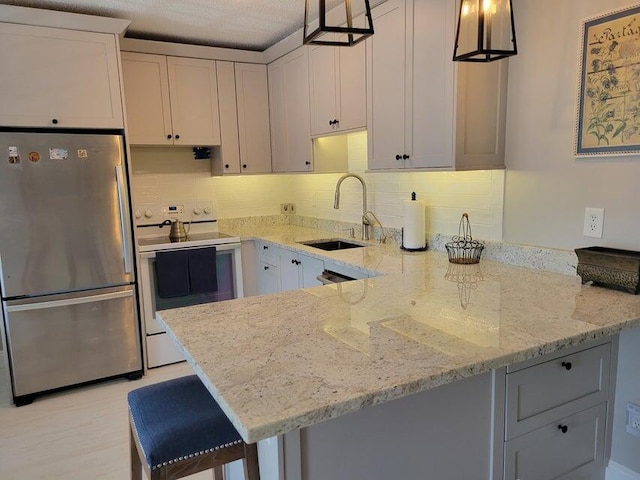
(54, 121)
(405, 156)
(307, 162)
(330, 122)
(226, 165)
(567, 365)
(293, 261)
(398, 157)
(244, 165)
(266, 267)
(169, 137)
(563, 428)
(265, 247)
(177, 137)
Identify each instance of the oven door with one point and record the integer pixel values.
(229, 278)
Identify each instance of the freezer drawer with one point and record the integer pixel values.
(62, 340)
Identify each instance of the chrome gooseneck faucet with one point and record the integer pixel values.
(336, 204)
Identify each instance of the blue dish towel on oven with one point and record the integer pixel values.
(202, 270)
(172, 269)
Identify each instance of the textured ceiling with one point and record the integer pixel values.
(246, 24)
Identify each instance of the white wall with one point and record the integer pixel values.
(168, 175)
(546, 188)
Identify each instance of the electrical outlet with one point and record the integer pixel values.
(593, 222)
(287, 208)
(633, 419)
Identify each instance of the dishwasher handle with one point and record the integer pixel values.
(329, 278)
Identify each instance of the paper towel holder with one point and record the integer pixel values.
(402, 247)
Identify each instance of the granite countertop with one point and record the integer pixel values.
(280, 362)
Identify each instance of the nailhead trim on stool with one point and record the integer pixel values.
(177, 420)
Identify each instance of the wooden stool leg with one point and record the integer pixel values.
(250, 462)
(136, 464)
(218, 473)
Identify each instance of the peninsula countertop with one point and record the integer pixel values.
(280, 362)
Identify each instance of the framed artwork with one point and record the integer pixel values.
(609, 95)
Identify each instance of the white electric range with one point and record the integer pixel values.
(201, 223)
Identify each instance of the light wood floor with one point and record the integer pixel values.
(79, 434)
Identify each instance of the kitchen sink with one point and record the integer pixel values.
(333, 244)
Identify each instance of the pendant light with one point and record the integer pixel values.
(486, 31)
(347, 23)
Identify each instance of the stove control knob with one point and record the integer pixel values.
(197, 211)
(138, 214)
(207, 210)
(148, 213)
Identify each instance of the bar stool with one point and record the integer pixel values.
(178, 429)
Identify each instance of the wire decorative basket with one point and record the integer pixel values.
(462, 248)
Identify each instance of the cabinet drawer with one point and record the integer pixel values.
(549, 454)
(542, 393)
(268, 253)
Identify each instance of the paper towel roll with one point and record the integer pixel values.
(413, 225)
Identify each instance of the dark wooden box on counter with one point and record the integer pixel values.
(610, 267)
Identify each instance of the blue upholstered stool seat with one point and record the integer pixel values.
(178, 419)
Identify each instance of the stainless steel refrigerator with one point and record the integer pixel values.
(66, 258)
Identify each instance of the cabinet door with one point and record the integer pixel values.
(310, 268)
(58, 78)
(290, 113)
(433, 84)
(193, 91)
(352, 87)
(146, 91)
(230, 146)
(252, 95)
(550, 453)
(268, 279)
(388, 96)
(289, 270)
(323, 89)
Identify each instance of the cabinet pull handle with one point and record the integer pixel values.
(265, 247)
(169, 137)
(266, 268)
(567, 365)
(405, 156)
(563, 428)
(307, 162)
(54, 121)
(398, 157)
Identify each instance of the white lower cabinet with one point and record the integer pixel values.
(570, 448)
(299, 270)
(556, 413)
(281, 270)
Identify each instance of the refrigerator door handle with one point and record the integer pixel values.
(67, 301)
(125, 231)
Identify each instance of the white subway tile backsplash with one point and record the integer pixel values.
(170, 175)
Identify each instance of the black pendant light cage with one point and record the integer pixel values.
(481, 50)
(344, 35)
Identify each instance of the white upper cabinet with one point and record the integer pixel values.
(58, 78)
(252, 93)
(290, 113)
(146, 92)
(388, 95)
(171, 100)
(425, 111)
(337, 78)
(230, 142)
